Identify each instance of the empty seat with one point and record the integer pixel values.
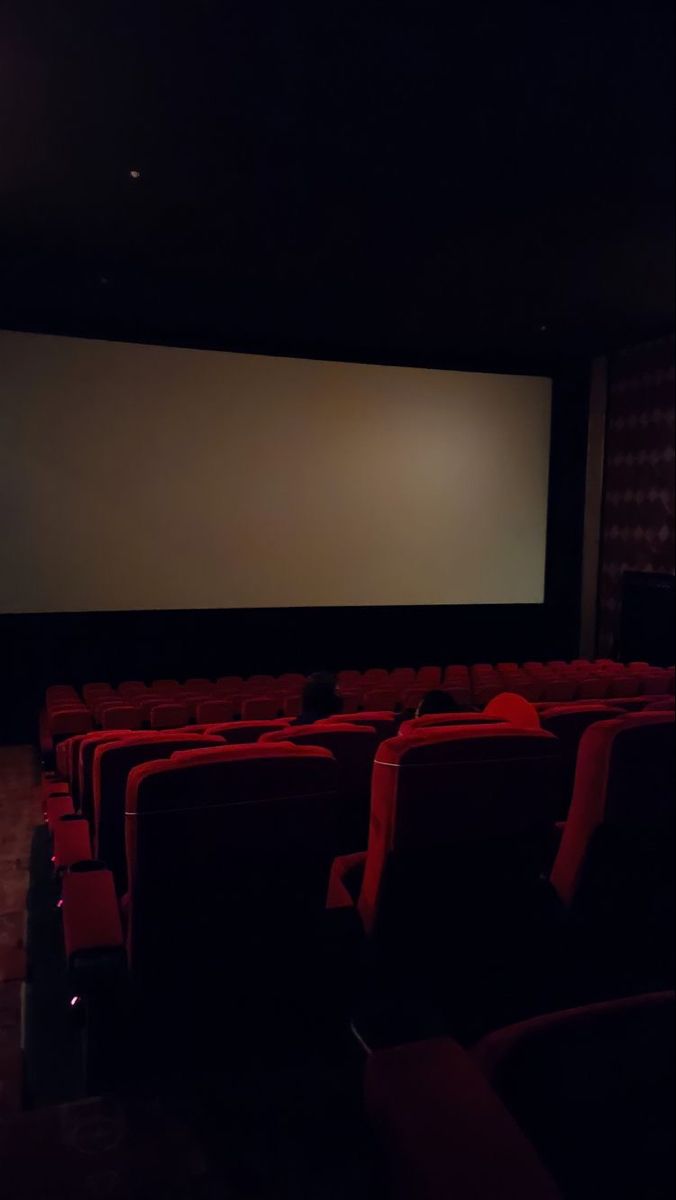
(121, 716)
(62, 722)
(112, 763)
(419, 725)
(660, 703)
(402, 677)
(614, 871)
(260, 708)
(380, 698)
(83, 793)
(568, 723)
(596, 687)
(292, 681)
(166, 686)
(209, 711)
(169, 715)
(375, 677)
(92, 691)
(131, 687)
(353, 747)
(557, 689)
(576, 1103)
(229, 683)
(292, 705)
(593, 1090)
(428, 677)
(247, 831)
(199, 684)
(348, 679)
(383, 722)
(460, 822)
(260, 685)
(239, 732)
(351, 698)
(411, 698)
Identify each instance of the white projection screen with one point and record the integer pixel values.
(147, 477)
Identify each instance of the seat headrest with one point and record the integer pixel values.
(455, 743)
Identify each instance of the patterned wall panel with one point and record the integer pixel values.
(638, 491)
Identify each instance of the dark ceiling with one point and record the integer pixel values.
(482, 184)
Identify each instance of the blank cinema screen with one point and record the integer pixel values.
(146, 477)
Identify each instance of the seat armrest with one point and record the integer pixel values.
(345, 880)
(91, 916)
(72, 843)
(444, 1130)
(57, 807)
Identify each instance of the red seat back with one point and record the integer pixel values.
(444, 797)
(614, 1135)
(239, 732)
(120, 716)
(568, 723)
(169, 716)
(112, 763)
(419, 725)
(260, 708)
(236, 845)
(209, 711)
(514, 708)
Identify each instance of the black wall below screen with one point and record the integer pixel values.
(37, 649)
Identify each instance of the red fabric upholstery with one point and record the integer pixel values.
(292, 682)
(338, 895)
(259, 685)
(236, 732)
(383, 722)
(380, 697)
(63, 751)
(199, 684)
(660, 704)
(625, 776)
(593, 1090)
(515, 709)
(91, 918)
(167, 687)
(71, 842)
(229, 683)
(84, 794)
(349, 679)
(428, 677)
(437, 720)
(445, 1133)
(122, 716)
(112, 763)
(93, 691)
(131, 687)
(255, 826)
(260, 708)
(209, 711)
(169, 716)
(57, 807)
(594, 688)
(568, 723)
(65, 721)
(455, 787)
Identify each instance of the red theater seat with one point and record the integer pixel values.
(199, 684)
(402, 678)
(292, 705)
(259, 685)
(380, 698)
(419, 725)
(353, 747)
(593, 1090)
(428, 677)
(291, 682)
(383, 722)
(576, 1103)
(375, 677)
(62, 722)
(568, 723)
(169, 716)
(168, 687)
(112, 763)
(349, 679)
(614, 871)
(208, 711)
(461, 821)
(83, 792)
(131, 687)
(229, 683)
(659, 704)
(260, 708)
(240, 732)
(121, 716)
(254, 827)
(444, 1133)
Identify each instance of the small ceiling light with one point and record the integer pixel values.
(543, 329)
(134, 174)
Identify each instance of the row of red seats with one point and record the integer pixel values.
(461, 821)
(502, 779)
(167, 704)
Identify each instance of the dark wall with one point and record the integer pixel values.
(38, 649)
